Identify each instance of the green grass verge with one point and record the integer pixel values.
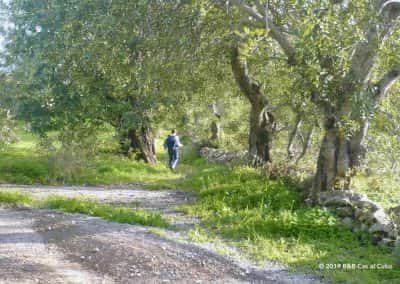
(88, 207)
(268, 220)
(24, 166)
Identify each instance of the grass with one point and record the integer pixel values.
(22, 163)
(88, 207)
(383, 189)
(265, 219)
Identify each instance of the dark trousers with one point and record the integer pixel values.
(173, 158)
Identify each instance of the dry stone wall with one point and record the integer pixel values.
(219, 156)
(361, 215)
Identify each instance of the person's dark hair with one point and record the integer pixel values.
(173, 131)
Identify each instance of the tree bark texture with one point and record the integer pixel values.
(262, 122)
(141, 142)
(340, 155)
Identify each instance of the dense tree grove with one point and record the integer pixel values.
(275, 77)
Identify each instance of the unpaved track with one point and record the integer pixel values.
(25, 257)
(44, 246)
(161, 201)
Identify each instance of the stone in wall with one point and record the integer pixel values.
(219, 156)
(360, 214)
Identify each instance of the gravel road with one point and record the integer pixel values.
(45, 246)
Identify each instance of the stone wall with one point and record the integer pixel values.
(213, 155)
(361, 215)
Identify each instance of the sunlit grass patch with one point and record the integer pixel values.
(105, 211)
(14, 197)
(268, 220)
(88, 207)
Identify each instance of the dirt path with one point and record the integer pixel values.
(162, 201)
(43, 246)
(25, 257)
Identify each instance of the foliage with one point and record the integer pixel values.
(86, 63)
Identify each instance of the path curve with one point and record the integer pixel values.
(45, 246)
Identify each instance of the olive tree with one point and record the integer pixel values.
(335, 48)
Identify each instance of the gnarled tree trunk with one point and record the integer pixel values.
(262, 122)
(262, 127)
(141, 142)
(339, 157)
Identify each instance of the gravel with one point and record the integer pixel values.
(45, 246)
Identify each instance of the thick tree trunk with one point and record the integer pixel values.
(140, 142)
(262, 122)
(339, 157)
(262, 127)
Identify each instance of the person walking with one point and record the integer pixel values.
(172, 144)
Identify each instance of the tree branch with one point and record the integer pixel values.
(386, 81)
(363, 57)
(387, 3)
(265, 21)
(248, 87)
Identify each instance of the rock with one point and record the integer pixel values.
(393, 234)
(337, 201)
(364, 228)
(348, 223)
(386, 242)
(381, 228)
(341, 194)
(345, 211)
(358, 197)
(376, 237)
(213, 155)
(364, 216)
(357, 229)
(358, 213)
(380, 217)
(366, 204)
